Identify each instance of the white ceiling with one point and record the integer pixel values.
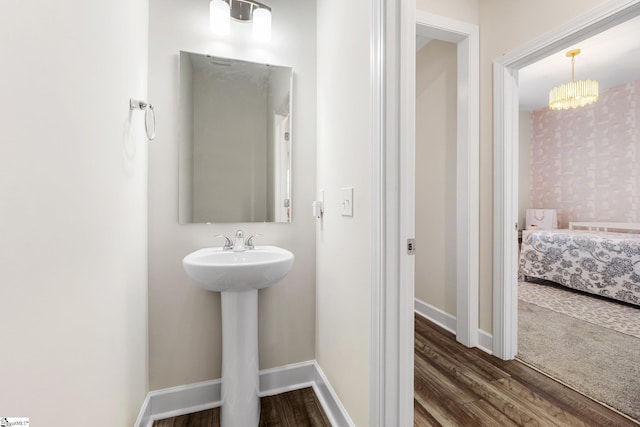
(611, 57)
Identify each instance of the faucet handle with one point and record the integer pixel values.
(228, 245)
(249, 243)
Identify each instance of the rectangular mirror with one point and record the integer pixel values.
(235, 141)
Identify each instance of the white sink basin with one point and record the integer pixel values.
(222, 271)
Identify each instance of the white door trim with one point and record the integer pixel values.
(393, 144)
(505, 162)
(379, 403)
(466, 37)
(391, 354)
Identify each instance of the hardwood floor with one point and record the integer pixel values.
(457, 386)
(454, 386)
(292, 409)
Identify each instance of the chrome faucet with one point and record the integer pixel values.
(227, 242)
(238, 245)
(249, 242)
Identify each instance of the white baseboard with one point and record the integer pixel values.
(180, 400)
(287, 378)
(485, 341)
(448, 322)
(329, 400)
(175, 401)
(437, 316)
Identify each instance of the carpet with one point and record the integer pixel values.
(601, 311)
(599, 362)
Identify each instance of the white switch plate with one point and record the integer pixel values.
(347, 201)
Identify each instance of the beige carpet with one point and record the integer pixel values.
(601, 311)
(600, 362)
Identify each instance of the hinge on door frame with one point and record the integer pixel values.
(411, 246)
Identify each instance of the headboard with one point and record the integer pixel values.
(633, 227)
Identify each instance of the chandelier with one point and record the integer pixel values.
(575, 93)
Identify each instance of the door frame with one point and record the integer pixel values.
(393, 36)
(282, 160)
(466, 38)
(505, 161)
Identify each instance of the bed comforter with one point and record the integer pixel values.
(606, 264)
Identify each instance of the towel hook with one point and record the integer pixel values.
(149, 115)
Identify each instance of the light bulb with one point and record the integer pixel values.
(220, 17)
(262, 24)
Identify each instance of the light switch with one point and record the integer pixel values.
(347, 201)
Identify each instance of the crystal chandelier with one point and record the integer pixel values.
(575, 93)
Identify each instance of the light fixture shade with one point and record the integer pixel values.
(220, 17)
(262, 24)
(573, 95)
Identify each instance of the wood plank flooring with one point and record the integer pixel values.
(291, 409)
(454, 386)
(457, 386)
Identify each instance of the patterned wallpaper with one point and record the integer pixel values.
(585, 162)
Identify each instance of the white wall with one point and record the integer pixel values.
(462, 10)
(73, 212)
(524, 168)
(344, 160)
(184, 320)
(436, 165)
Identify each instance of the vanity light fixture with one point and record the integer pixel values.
(220, 18)
(221, 12)
(573, 94)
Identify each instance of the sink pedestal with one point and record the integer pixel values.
(240, 368)
(238, 275)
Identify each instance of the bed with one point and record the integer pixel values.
(598, 258)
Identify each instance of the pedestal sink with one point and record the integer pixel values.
(238, 276)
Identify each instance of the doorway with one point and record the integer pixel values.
(435, 181)
(506, 117)
(464, 194)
